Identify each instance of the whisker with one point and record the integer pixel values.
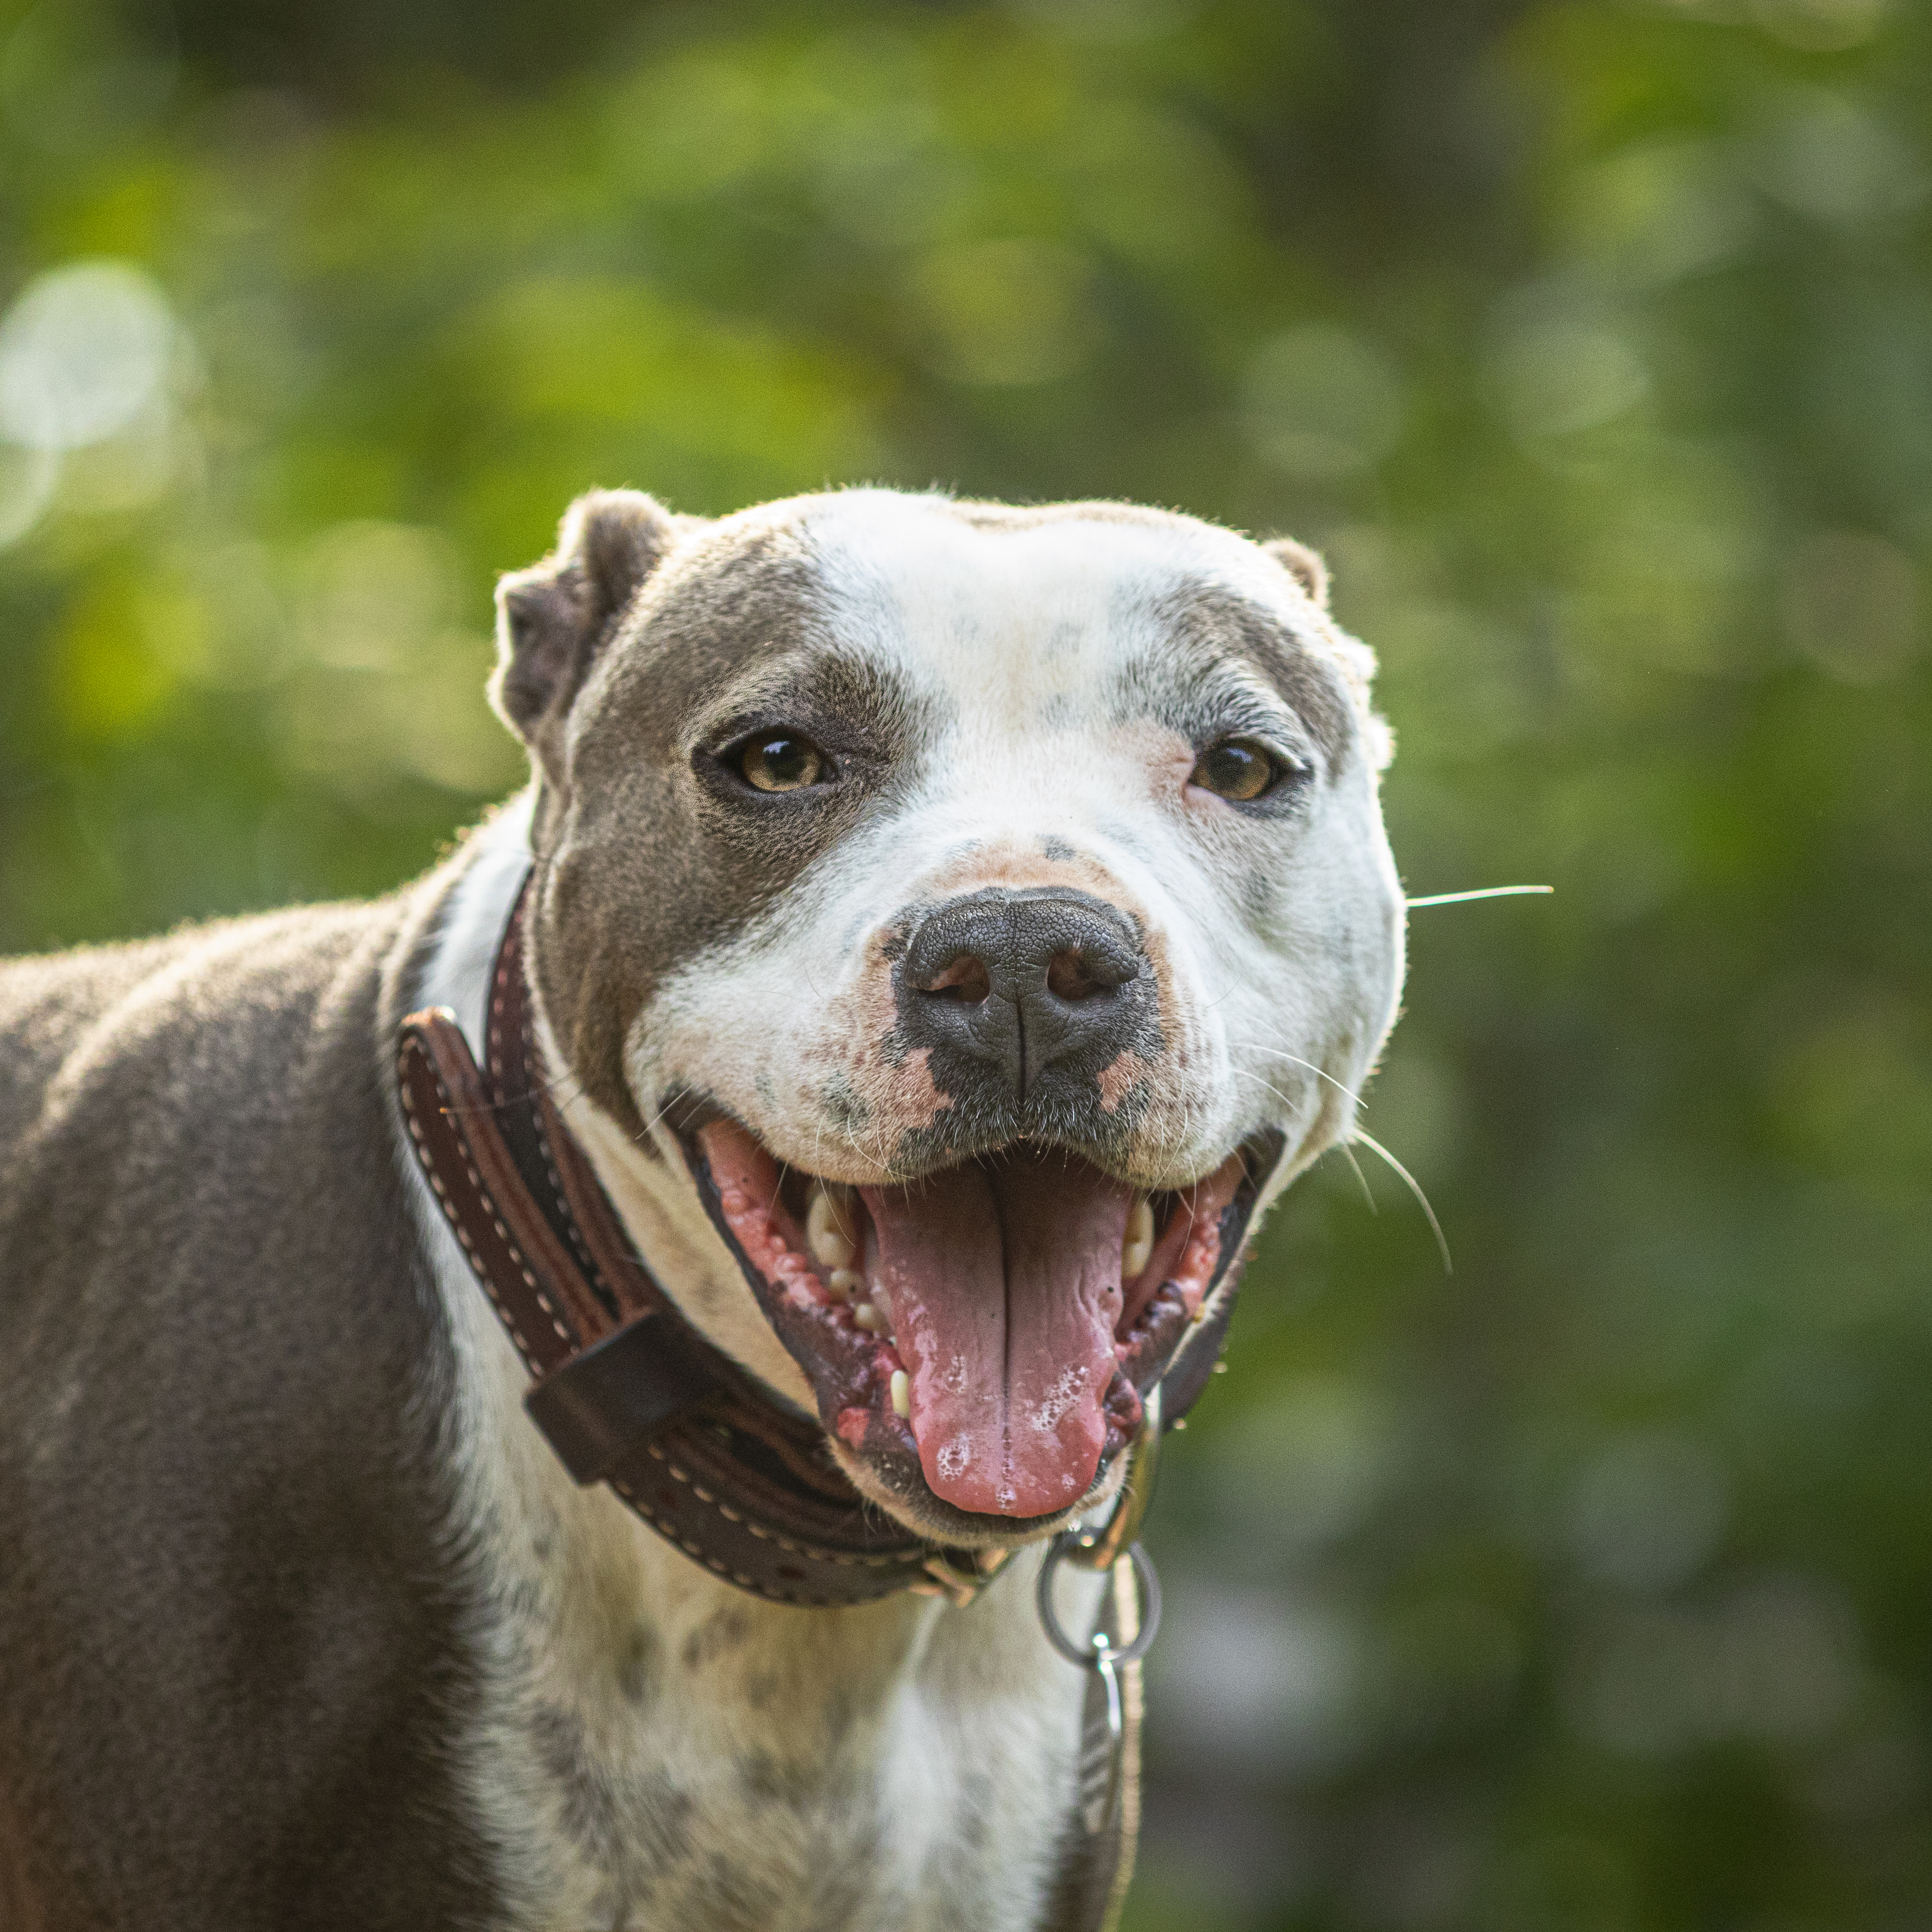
(552, 1087)
(641, 1138)
(1242, 1073)
(859, 1138)
(1275, 1053)
(1368, 1193)
(555, 1085)
(1414, 1186)
(1228, 995)
(1480, 892)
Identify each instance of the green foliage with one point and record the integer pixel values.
(1585, 1588)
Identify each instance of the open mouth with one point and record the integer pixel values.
(987, 1333)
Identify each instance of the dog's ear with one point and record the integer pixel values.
(1303, 565)
(553, 618)
(1351, 657)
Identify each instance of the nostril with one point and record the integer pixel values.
(966, 979)
(1070, 976)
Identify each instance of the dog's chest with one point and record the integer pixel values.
(708, 1767)
(648, 1747)
(645, 1746)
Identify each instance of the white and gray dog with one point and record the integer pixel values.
(935, 915)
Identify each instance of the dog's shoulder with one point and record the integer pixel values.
(221, 1514)
(211, 1038)
(96, 1000)
(48, 1001)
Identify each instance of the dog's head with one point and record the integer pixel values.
(956, 918)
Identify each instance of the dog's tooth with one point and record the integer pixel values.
(868, 1317)
(828, 1226)
(841, 1283)
(1137, 1244)
(902, 1395)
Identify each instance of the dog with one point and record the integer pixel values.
(938, 930)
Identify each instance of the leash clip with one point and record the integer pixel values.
(1103, 1771)
(1100, 1652)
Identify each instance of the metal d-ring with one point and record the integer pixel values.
(1099, 1654)
(1106, 1751)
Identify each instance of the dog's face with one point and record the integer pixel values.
(970, 915)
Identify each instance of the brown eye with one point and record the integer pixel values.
(1234, 770)
(782, 764)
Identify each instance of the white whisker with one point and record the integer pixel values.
(1414, 1186)
(652, 1123)
(1480, 892)
(1242, 1073)
(1275, 1053)
(1368, 1193)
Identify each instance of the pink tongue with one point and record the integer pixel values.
(1005, 1285)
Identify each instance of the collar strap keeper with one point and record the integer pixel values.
(601, 1407)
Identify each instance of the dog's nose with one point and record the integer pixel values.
(1022, 985)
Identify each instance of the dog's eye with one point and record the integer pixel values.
(781, 764)
(1236, 769)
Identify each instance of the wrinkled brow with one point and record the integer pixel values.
(1219, 623)
(842, 697)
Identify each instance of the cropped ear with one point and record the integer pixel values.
(1303, 565)
(553, 619)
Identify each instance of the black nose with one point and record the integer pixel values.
(1022, 993)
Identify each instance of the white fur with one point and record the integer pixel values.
(950, 1715)
(1011, 635)
(889, 1730)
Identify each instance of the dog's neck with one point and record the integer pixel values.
(458, 975)
(624, 1677)
(664, 1218)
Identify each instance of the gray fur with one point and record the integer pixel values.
(301, 1623)
(228, 1648)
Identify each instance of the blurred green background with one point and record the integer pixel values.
(1591, 1587)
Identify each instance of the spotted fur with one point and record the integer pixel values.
(296, 1596)
(1018, 697)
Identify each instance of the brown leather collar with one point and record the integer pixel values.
(625, 1390)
